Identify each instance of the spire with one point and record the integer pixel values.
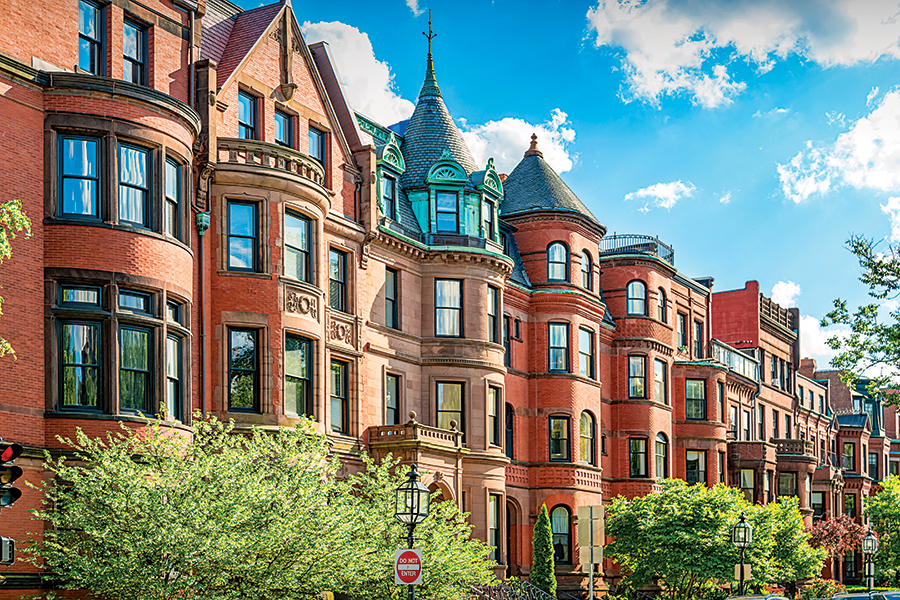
(430, 87)
(533, 150)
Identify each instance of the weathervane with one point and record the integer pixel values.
(430, 35)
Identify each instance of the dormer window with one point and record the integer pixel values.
(447, 212)
(557, 262)
(487, 214)
(388, 195)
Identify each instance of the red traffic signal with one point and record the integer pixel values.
(9, 473)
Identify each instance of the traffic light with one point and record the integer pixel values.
(9, 473)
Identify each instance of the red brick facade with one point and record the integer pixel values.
(638, 382)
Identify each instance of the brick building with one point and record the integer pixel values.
(217, 230)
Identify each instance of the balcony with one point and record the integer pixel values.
(415, 434)
(262, 155)
(614, 244)
(794, 448)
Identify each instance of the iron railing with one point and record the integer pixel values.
(636, 244)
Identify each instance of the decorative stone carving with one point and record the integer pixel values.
(341, 332)
(299, 303)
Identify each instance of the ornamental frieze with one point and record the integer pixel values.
(299, 303)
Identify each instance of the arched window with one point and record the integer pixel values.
(509, 430)
(588, 438)
(587, 271)
(561, 525)
(637, 298)
(662, 456)
(661, 306)
(557, 262)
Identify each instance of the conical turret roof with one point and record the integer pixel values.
(534, 185)
(430, 131)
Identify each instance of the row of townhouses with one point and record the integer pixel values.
(217, 230)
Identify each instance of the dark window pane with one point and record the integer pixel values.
(134, 369)
(296, 240)
(298, 370)
(243, 369)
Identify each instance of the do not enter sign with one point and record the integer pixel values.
(408, 567)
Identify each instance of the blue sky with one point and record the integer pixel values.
(754, 137)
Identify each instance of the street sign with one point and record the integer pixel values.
(737, 572)
(7, 551)
(591, 534)
(408, 566)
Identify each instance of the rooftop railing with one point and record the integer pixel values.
(636, 244)
(735, 360)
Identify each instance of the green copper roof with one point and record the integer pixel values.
(429, 132)
(534, 185)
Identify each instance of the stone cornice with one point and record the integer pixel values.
(62, 83)
(643, 343)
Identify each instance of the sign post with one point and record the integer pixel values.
(591, 538)
(408, 566)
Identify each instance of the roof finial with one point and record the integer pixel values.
(430, 87)
(533, 150)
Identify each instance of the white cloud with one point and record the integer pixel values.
(725, 198)
(769, 113)
(507, 140)
(871, 96)
(672, 47)
(662, 195)
(414, 7)
(836, 117)
(892, 210)
(785, 293)
(368, 82)
(865, 156)
(813, 341)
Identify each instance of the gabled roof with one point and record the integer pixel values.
(230, 42)
(429, 132)
(534, 185)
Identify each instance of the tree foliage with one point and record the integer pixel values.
(156, 515)
(837, 535)
(884, 511)
(12, 221)
(682, 536)
(871, 345)
(543, 569)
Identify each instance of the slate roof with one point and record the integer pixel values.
(229, 41)
(518, 274)
(534, 185)
(429, 131)
(857, 420)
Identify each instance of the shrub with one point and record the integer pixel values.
(821, 588)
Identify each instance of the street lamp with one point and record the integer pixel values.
(869, 548)
(411, 508)
(742, 537)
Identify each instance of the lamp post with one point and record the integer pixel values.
(412, 503)
(742, 537)
(869, 548)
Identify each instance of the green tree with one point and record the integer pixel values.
(792, 558)
(157, 515)
(884, 511)
(453, 561)
(681, 537)
(12, 221)
(543, 568)
(870, 347)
